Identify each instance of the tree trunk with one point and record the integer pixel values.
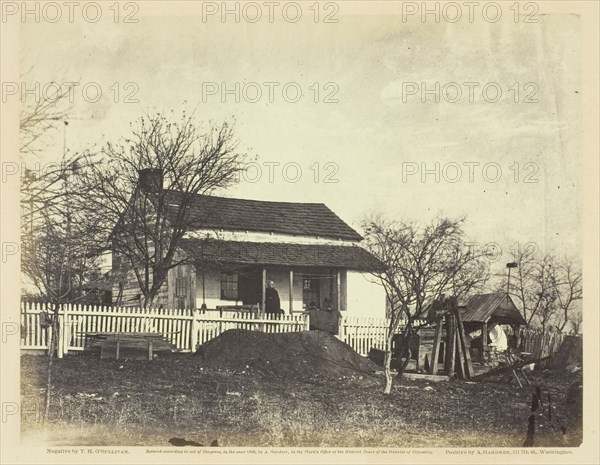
(405, 351)
(565, 319)
(52, 349)
(402, 367)
(387, 369)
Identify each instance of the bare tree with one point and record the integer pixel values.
(54, 247)
(146, 223)
(42, 187)
(55, 251)
(41, 113)
(532, 286)
(53, 233)
(545, 287)
(576, 320)
(421, 265)
(568, 285)
(544, 282)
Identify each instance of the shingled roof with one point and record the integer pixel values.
(306, 219)
(483, 307)
(267, 253)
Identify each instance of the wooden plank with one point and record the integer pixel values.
(460, 360)
(101, 335)
(524, 376)
(160, 345)
(517, 378)
(426, 377)
(419, 376)
(449, 358)
(437, 339)
(468, 366)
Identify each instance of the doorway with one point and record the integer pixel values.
(311, 292)
(250, 286)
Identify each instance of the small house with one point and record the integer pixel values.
(313, 257)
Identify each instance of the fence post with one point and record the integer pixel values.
(340, 331)
(23, 321)
(60, 329)
(194, 335)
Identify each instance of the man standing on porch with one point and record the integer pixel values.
(272, 303)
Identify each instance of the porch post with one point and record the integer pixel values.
(264, 286)
(192, 287)
(338, 283)
(483, 337)
(291, 290)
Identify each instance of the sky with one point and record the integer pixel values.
(364, 137)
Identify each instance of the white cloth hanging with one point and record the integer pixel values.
(498, 338)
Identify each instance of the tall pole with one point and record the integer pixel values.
(203, 306)
(508, 285)
(70, 171)
(31, 219)
(509, 266)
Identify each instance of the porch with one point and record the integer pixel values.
(307, 276)
(242, 288)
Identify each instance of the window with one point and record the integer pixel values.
(229, 286)
(181, 287)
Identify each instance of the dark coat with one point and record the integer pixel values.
(272, 303)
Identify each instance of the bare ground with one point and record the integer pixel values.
(308, 390)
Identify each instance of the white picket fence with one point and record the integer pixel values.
(365, 333)
(212, 323)
(185, 329)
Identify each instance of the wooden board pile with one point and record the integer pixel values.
(135, 346)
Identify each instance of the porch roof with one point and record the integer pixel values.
(349, 257)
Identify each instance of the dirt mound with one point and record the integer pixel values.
(306, 354)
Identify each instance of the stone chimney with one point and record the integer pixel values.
(151, 179)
